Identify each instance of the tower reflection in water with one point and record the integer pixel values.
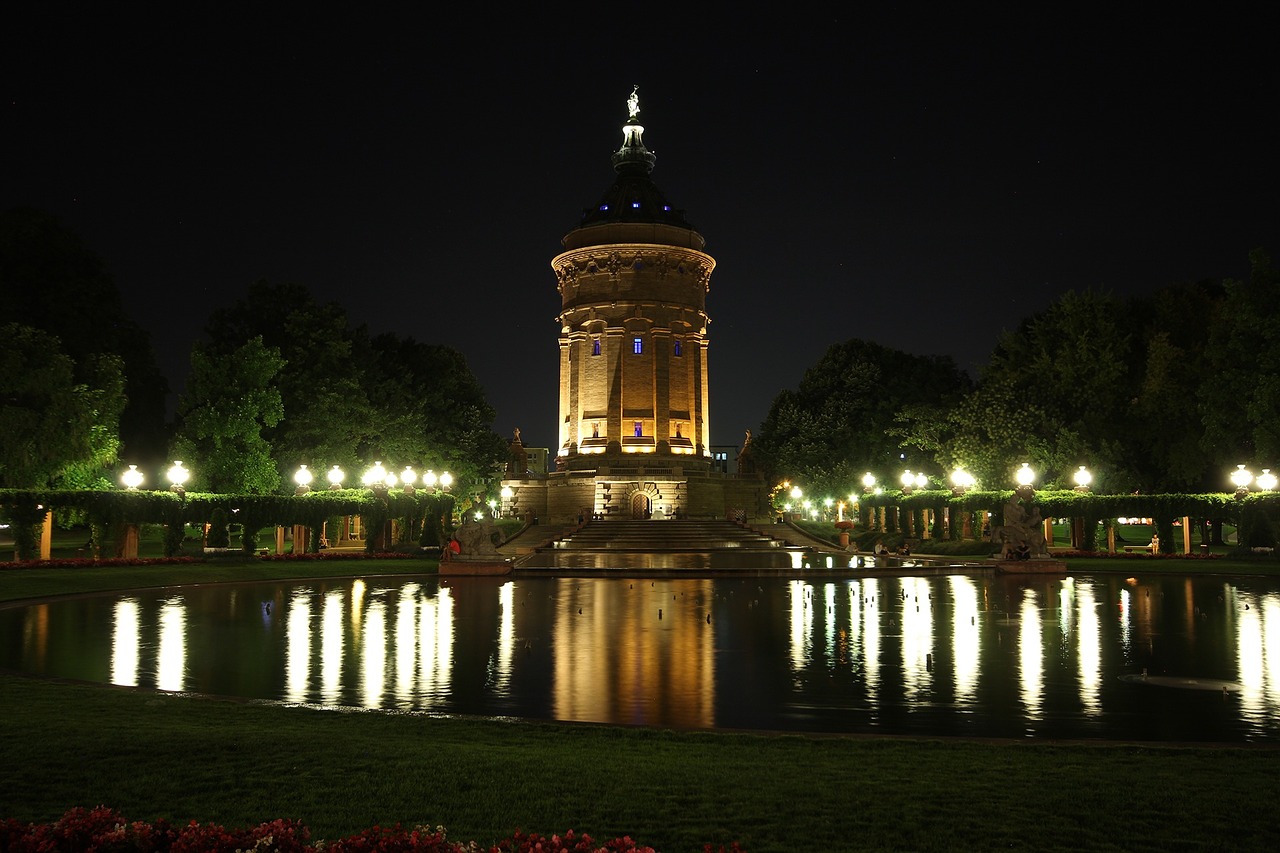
(952, 654)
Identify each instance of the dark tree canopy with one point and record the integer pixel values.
(351, 400)
(840, 421)
(51, 281)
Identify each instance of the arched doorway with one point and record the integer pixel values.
(640, 505)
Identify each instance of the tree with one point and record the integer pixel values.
(53, 426)
(227, 405)
(52, 281)
(840, 421)
(429, 409)
(1240, 403)
(350, 399)
(327, 413)
(1072, 365)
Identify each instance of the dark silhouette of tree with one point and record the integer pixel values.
(52, 281)
(840, 421)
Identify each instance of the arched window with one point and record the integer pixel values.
(595, 346)
(637, 345)
(679, 350)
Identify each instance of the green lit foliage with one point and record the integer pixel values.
(227, 404)
(53, 426)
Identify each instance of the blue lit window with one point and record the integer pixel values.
(679, 349)
(637, 345)
(638, 426)
(666, 207)
(635, 205)
(604, 207)
(595, 346)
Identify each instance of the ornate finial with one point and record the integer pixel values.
(633, 103)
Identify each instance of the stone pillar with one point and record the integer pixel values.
(46, 536)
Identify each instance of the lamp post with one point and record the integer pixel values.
(335, 478)
(1024, 477)
(375, 478)
(131, 478)
(1082, 479)
(1241, 477)
(908, 481)
(1266, 480)
(446, 480)
(302, 477)
(407, 478)
(868, 482)
(178, 476)
(961, 482)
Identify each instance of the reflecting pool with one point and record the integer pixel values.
(1165, 658)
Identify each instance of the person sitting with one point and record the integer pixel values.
(904, 550)
(881, 550)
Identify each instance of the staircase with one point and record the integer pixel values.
(659, 544)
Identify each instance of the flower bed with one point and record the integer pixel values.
(102, 829)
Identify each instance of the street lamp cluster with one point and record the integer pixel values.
(1242, 478)
(376, 477)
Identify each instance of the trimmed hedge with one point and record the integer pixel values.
(108, 512)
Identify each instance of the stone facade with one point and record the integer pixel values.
(634, 432)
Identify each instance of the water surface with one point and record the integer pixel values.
(961, 654)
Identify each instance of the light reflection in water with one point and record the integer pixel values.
(1089, 644)
(171, 660)
(124, 644)
(596, 649)
(506, 636)
(1031, 655)
(801, 630)
(871, 635)
(406, 648)
(298, 651)
(964, 636)
(373, 651)
(331, 647)
(917, 636)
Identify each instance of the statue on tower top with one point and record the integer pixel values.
(633, 103)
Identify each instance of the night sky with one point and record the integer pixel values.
(920, 183)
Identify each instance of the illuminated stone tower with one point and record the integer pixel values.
(634, 435)
(633, 283)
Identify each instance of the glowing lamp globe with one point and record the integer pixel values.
(868, 481)
(1082, 478)
(390, 480)
(375, 476)
(796, 493)
(1241, 478)
(506, 493)
(921, 481)
(302, 476)
(429, 479)
(961, 479)
(446, 480)
(335, 477)
(131, 478)
(1267, 480)
(408, 476)
(908, 479)
(178, 475)
(1024, 476)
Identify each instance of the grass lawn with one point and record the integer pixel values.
(239, 763)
